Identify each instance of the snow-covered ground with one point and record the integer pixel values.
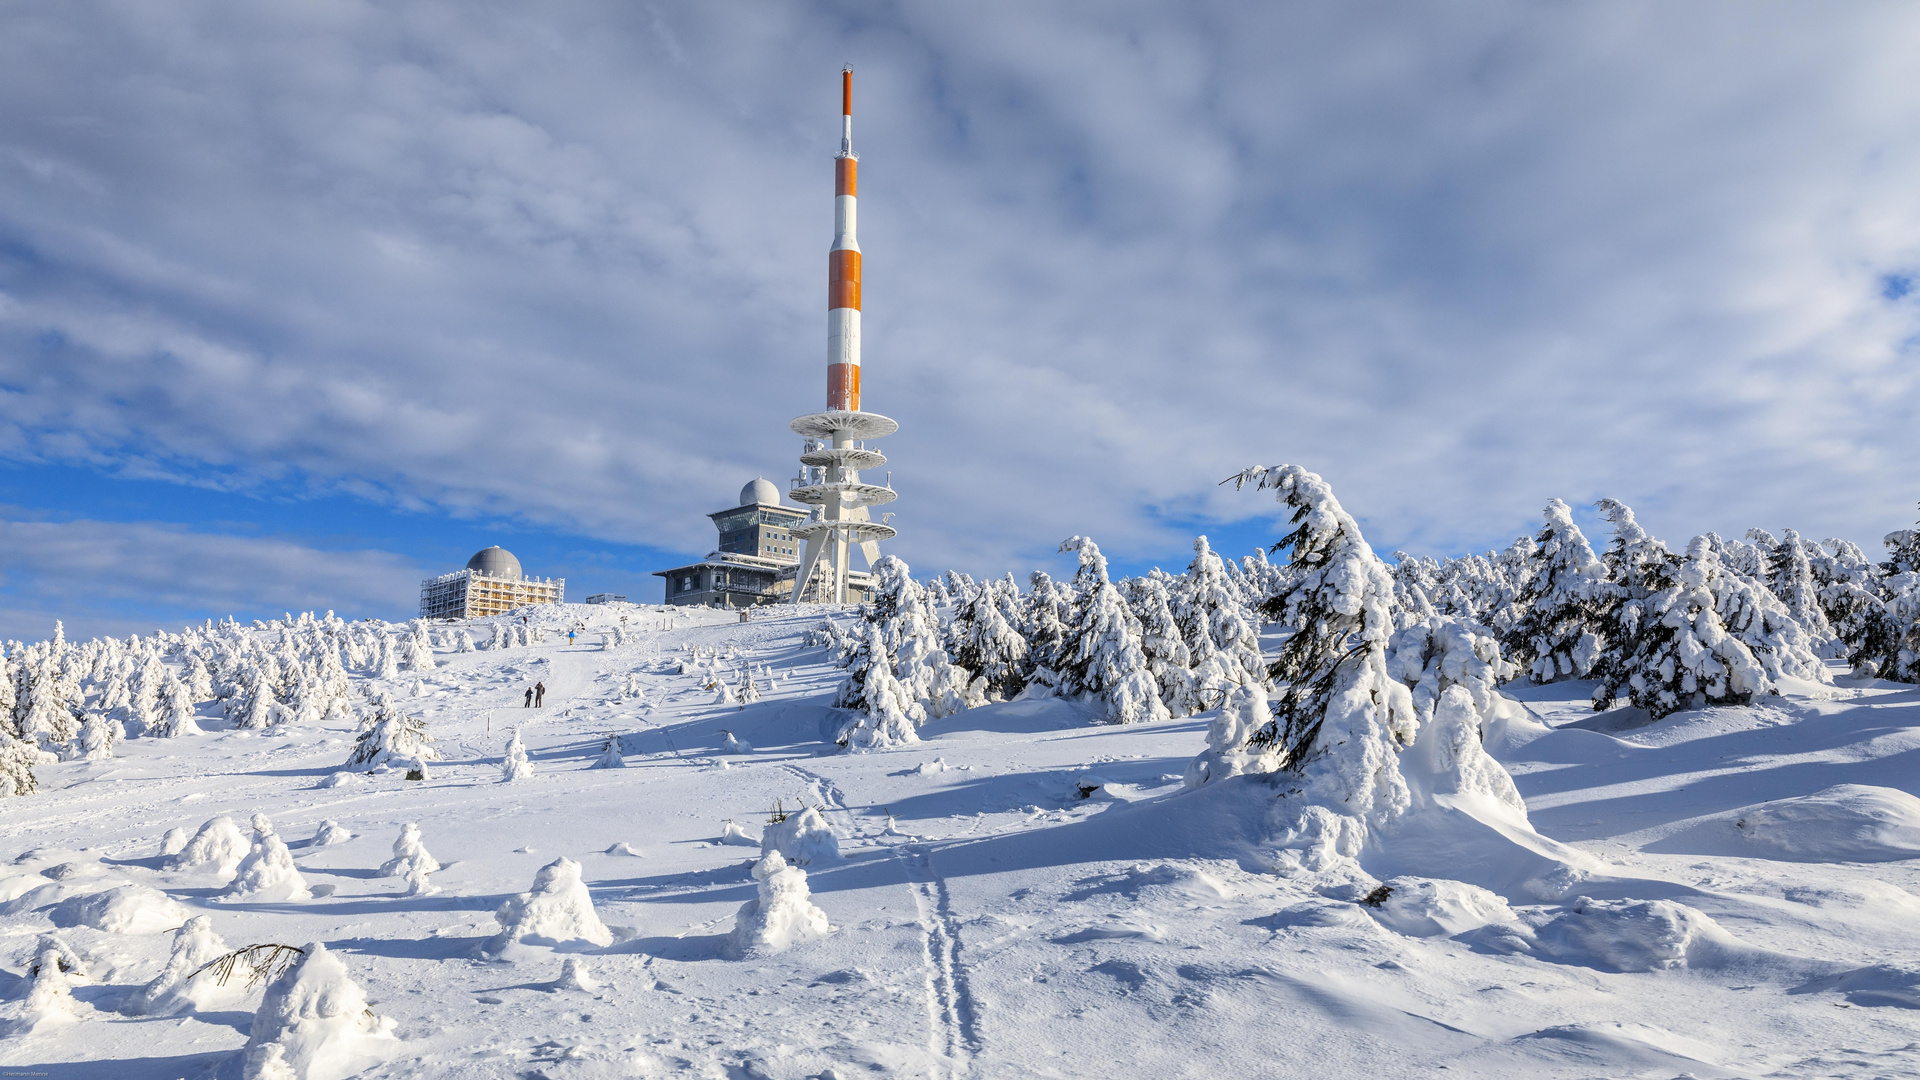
(1025, 892)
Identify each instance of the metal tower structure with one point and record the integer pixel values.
(836, 450)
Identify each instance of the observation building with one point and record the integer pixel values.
(492, 584)
(756, 560)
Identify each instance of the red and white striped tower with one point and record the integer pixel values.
(843, 267)
(836, 448)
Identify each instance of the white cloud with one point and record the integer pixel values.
(565, 263)
(95, 575)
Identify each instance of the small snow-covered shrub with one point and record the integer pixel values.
(557, 911)
(330, 833)
(1231, 750)
(734, 744)
(610, 756)
(783, 915)
(171, 991)
(515, 766)
(51, 974)
(267, 873)
(410, 854)
(575, 976)
(314, 1024)
(802, 838)
(218, 844)
(1428, 907)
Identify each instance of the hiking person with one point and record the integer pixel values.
(529, 701)
(539, 695)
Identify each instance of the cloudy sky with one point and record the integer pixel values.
(302, 301)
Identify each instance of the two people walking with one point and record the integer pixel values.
(536, 696)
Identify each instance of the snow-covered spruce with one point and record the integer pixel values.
(783, 915)
(1222, 638)
(267, 873)
(1687, 632)
(314, 1024)
(1557, 634)
(557, 911)
(884, 714)
(388, 736)
(171, 991)
(904, 612)
(17, 759)
(1168, 658)
(1101, 653)
(514, 765)
(803, 838)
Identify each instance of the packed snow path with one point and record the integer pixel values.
(1024, 893)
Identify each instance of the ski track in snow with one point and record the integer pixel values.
(950, 1011)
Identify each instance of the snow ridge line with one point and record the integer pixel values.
(951, 1033)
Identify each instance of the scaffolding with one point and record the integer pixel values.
(471, 594)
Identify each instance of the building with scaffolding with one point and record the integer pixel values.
(492, 584)
(756, 559)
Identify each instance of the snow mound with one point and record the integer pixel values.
(314, 1024)
(1635, 935)
(339, 779)
(623, 848)
(194, 944)
(558, 911)
(1846, 823)
(128, 909)
(173, 841)
(733, 835)
(575, 976)
(802, 839)
(330, 833)
(782, 916)
(1429, 907)
(218, 844)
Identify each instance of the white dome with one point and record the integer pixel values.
(761, 492)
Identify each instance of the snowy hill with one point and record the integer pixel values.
(1024, 891)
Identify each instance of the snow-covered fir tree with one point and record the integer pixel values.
(1564, 603)
(1043, 623)
(1101, 653)
(1162, 643)
(1340, 702)
(986, 643)
(1220, 631)
(885, 714)
(388, 736)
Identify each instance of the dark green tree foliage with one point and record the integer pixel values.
(1639, 568)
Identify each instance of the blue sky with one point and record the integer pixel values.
(302, 302)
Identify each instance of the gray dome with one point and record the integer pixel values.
(761, 491)
(495, 561)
